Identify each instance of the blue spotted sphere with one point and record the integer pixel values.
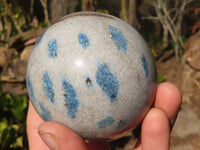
(94, 73)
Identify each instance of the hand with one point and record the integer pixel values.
(155, 132)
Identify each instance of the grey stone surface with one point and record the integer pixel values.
(94, 73)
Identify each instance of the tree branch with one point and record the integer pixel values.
(46, 14)
(151, 18)
(12, 16)
(25, 36)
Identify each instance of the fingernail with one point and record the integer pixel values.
(49, 140)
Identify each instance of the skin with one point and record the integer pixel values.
(155, 131)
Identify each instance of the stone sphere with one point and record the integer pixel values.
(94, 73)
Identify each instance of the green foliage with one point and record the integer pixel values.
(12, 122)
(43, 24)
(18, 11)
(161, 78)
(2, 9)
(103, 11)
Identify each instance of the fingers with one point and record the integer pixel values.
(155, 131)
(155, 128)
(55, 135)
(52, 135)
(168, 98)
(33, 122)
(58, 136)
(156, 124)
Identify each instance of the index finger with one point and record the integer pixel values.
(169, 100)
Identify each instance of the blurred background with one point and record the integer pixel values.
(170, 27)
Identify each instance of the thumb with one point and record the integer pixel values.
(58, 137)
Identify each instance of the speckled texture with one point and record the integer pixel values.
(94, 73)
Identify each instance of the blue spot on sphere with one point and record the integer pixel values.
(48, 87)
(53, 48)
(105, 122)
(118, 38)
(121, 124)
(83, 40)
(107, 81)
(30, 88)
(39, 40)
(145, 65)
(45, 114)
(71, 101)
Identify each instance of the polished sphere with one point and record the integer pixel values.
(94, 73)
